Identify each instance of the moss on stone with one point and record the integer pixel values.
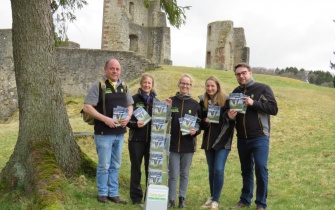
(88, 165)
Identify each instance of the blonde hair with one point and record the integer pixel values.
(187, 76)
(146, 75)
(221, 96)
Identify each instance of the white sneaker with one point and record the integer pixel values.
(208, 203)
(215, 205)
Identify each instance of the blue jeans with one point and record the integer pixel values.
(254, 152)
(216, 161)
(109, 150)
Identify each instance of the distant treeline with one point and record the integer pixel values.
(322, 78)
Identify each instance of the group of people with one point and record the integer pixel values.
(252, 127)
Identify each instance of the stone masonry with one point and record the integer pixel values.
(77, 69)
(129, 26)
(226, 46)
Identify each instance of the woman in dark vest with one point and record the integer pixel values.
(182, 147)
(139, 137)
(217, 137)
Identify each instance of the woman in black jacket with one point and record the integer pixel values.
(217, 138)
(139, 137)
(182, 147)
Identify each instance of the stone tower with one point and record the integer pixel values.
(226, 46)
(129, 26)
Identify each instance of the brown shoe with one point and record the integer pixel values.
(116, 199)
(240, 205)
(102, 199)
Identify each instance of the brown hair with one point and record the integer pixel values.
(221, 96)
(242, 65)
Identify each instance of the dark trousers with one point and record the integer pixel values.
(137, 151)
(254, 153)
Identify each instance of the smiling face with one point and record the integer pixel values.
(113, 70)
(243, 75)
(211, 88)
(147, 85)
(184, 85)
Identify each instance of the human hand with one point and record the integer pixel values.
(232, 114)
(192, 132)
(168, 101)
(140, 124)
(112, 123)
(248, 101)
(125, 121)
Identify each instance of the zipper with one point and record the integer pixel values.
(209, 136)
(182, 110)
(244, 125)
(147, 127)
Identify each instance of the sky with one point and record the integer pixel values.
(283, 33)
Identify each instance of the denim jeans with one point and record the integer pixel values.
(109, 150)
(254, 152)
(216, 161)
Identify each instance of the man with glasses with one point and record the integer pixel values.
(253, 135)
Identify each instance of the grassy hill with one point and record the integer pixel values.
(302, 153)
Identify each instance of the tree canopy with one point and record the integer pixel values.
(63, 13)
(175, 13)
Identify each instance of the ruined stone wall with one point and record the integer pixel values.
(241, 52)
(226, 46)
(129, 26)
(115, 26)
(8, 93)
(77, 69)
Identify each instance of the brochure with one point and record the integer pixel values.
(156, 160)
(158, 125)
(236, 102)
(188, 123)
(213, 113)
(142, 115)
(159, 109)
(119, 113)
(155, 176)
(157, 142)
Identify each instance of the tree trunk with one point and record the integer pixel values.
(46, 149)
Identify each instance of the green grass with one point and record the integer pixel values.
(302, 153)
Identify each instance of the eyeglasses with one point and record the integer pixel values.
(185, 84)
(243, 73)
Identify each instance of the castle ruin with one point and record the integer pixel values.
(129, 26)
(226, 46)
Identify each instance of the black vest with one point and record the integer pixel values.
(112, 99)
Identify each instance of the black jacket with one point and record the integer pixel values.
(136, 133)
(182, 105)
(256, 121)
(217, 135)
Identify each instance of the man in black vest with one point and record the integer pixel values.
(108, 132)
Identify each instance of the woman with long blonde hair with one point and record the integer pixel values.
(217, 138)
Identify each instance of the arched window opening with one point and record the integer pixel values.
(131, 9)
